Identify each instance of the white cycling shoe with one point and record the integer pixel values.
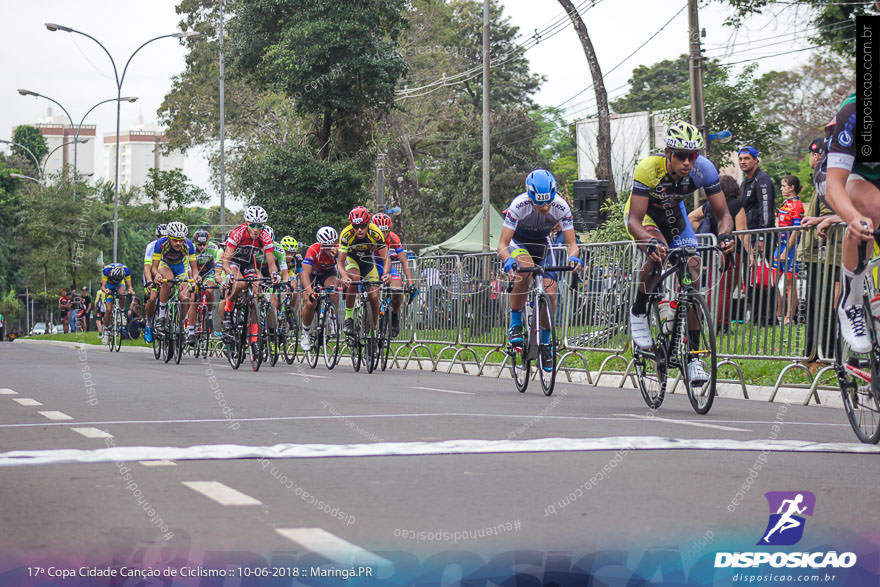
(640, 331)
(305, 342)
(696, 373)
(853, 328)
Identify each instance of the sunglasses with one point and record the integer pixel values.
(175, 240)
(256, 225)
(685, 155)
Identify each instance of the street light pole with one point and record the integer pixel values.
(119, 80)
(31, 153)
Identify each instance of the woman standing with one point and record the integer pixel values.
(790, 214)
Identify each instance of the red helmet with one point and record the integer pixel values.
(359, 216)
(383, 221)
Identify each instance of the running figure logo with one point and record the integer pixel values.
(786, 524)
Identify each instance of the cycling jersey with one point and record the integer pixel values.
(530, 226)
(280, 259)
(790, 213)
(244, 248)
(354, 246)
(208, 259)
(319, 260)
(842, 147)
(165, 252)
(148, 253)
(392, 241)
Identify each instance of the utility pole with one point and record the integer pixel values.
(698, 112)
(380, 182)
(222, 132)
(486, 126)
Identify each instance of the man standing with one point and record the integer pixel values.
(758, 193)
(64, 309)
(86, 308)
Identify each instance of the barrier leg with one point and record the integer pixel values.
(463, 366)
(629, 373)
(440, 355)
(605, 361)
(814, 388)
(567, 370)
(782, 373)
(486, 359)
(739, 372)
(418, 358)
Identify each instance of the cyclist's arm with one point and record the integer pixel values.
(305, 278)
(227, 257)
(838, 198)
(638, 207)
(571, 243)
(386, 260)
(404, 263)
(340, 263)
(504, 243)
(721, 212)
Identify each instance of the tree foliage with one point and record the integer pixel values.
(665, 84)
(171, 189)
(33, 139)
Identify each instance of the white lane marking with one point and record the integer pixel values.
(92, 432)
(222, 494)
(159, 463)
(407, 415)
(685, 422)
(444, 390)
(7, 391)
(445, 447)
(335, 549)
(26, 401)
(51, 415)
(308, 375)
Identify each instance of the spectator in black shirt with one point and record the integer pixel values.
(86, 310)
(758, 193)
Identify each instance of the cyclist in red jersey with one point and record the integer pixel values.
(318, 268)
(395, 253)
(239, 256)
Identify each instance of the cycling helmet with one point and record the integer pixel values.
(541, 186)
(271, 232)
(255, 214)
(383, 221)
(201, 236)
(117, 273)
(160, 230)
(176, 230)
(683, 136)
(359, 215)
(327, 235)
(290, 244)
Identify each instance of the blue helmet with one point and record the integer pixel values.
(541, 186)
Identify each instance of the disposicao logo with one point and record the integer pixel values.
(785, 528)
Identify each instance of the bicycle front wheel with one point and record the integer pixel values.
(856, 374)
(520, 363)
(179, 336)
(546, 350)
(329, 333)
(370, 339)
(650, 366)
(701, 351)
(116, 343)
(384, 334)
(157, 346)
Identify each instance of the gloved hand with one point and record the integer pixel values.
(510, 265)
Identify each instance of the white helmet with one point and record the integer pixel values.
(271, 232)
(176, 230)
(255, 214)
(327, 235)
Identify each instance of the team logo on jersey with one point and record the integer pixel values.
(845, 138)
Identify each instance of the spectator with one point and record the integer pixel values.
(431, 279)
(86, 311)
(704, 222)
(2, 326)
(73, 317)
(757, 189)
(791, 213)
(134, 319)
(64, 306)
(100, 299)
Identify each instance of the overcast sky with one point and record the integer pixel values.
(75, 71)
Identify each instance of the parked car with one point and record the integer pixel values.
(39, 328)
(59, 329)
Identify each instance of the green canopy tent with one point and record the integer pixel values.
(470, 238)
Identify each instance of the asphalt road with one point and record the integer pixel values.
(290, 465)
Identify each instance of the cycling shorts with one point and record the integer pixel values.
(244, 268)
(368, 269)
(673, 224)
(541, 254)
(319, 277)
(177, 269)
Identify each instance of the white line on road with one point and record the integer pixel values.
(445, 447)
(444, 390)
(55, 415)
(222, 494)
(332, 547)
(685, 422)
(308, 375)
(7, 391)
(159, 463)
(26, 401)
(92, 432)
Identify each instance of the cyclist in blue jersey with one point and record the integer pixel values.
(175, 258)
(656, 219)
(115, 278)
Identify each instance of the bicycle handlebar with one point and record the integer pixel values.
(542, 269)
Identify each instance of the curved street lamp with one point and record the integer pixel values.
(76, 129)
(31, 153)
(119, 79)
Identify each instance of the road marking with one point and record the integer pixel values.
(685, 422)
(338, 551)
(445, 447)
(222, 494)
(159, 463)
(444, 390)
(92, 432)
(308, 375)
(26, 401)
(55, 415)
(7, 391)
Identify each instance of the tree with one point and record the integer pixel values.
(172, 189)
(33, 139)
(664, 84)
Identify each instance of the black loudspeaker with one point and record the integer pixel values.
(589, 196)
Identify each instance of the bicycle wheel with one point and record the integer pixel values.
(384, 334)
(856, 374)
(700, 396)
(354, 342)
(520, 363)
(370, 338)
(546, 368)
(179, 334)
(329, 334)
(157, 346)
(650, 366)
(280, 341)
(118, 318)
(314, 340)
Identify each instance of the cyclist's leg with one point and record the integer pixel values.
(309, 306)
(370, 272)
(520, 289)
(331, 281)
(865, 196)
(354, 272)
(232, 294)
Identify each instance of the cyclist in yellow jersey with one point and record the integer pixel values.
(656, 219)
(361, 244)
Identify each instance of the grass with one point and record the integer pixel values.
(85, 338)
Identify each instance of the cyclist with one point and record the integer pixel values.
(281, 262)
(151, 291)
(852, 189)
(294, 261)
(656, 219)
(208, 257)
(319, 268)
(239, 258)
(361, 244)
(113, 276)
(170, 258)
(396, 253)
(525, 242)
